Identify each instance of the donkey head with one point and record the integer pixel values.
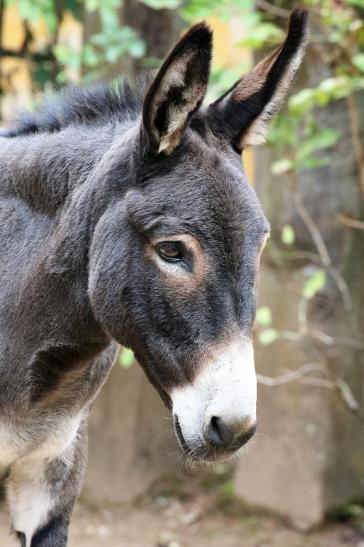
(174, 265)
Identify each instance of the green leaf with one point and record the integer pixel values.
(161, 4)
(222, 78)
(358, 61)
(347, 512)
(126, 357)
(90, 57)
(92, 5)
(282, 166)
(302, 101)
(314, 163)
(113, 43)
(354, 510)
(287, 234)
(75, 7)
(314, 284)
(264, 316)
(319, 141)
(137, 49)
(357, 3)
(222, 9)
(113, 53)
(261, 35)
(268, 336)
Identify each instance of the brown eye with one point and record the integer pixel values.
(170, 251)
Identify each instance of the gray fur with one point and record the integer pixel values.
(81, 195)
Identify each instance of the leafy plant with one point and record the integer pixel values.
(126, 357)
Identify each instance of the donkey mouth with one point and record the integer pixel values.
(197, 454)
(210, 454)
(180, 436)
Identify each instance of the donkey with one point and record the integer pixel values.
(126, 218)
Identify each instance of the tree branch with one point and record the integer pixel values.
(314, 231)
(26, 54)
(351, 222)
(337, 385)
(271, 8)
(323, 252)
(356, 139)
(291, 376)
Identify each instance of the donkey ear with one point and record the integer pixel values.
(178, 89)
(243, 114)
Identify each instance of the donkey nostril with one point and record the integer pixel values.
(218, 432)
(214, 424)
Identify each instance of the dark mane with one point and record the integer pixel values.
(95, 105)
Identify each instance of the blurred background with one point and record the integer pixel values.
(304, 470)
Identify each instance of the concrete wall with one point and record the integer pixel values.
(308, 454)
(131, 439)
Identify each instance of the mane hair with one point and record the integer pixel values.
(96, 105)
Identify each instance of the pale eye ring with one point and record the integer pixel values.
(170, 251)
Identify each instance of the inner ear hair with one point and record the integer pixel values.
(243, 114)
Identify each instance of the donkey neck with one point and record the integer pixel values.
(54, 278)
(43, 169)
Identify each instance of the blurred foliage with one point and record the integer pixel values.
(314, 284)
(126, 357)
(349, 512)
(287, 235)
(337, 37)
(108, 46)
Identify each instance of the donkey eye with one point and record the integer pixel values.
(170, 251)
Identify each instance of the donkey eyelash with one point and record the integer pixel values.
(170, 251)
(184, 258)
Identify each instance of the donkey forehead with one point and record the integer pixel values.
(205, 188)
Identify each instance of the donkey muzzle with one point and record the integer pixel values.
(216, 413)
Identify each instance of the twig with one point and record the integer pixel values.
(342, 286)
(299, 255)
(334, 341)
(323, 337)
(331, 270)
(351, 222)
(291, 376)
(323, 252)
(342, 390)
(342, 45)
(317, 382)
(337, 385)
(271, 8)
(314, 231)
(356, 139)
(302, 316)
(47, 55)
(352, 110)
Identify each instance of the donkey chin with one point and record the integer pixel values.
(215, 415)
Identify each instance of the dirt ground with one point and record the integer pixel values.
(189, 519)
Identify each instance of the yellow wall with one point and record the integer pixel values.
(228, 54)
(15, 72)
